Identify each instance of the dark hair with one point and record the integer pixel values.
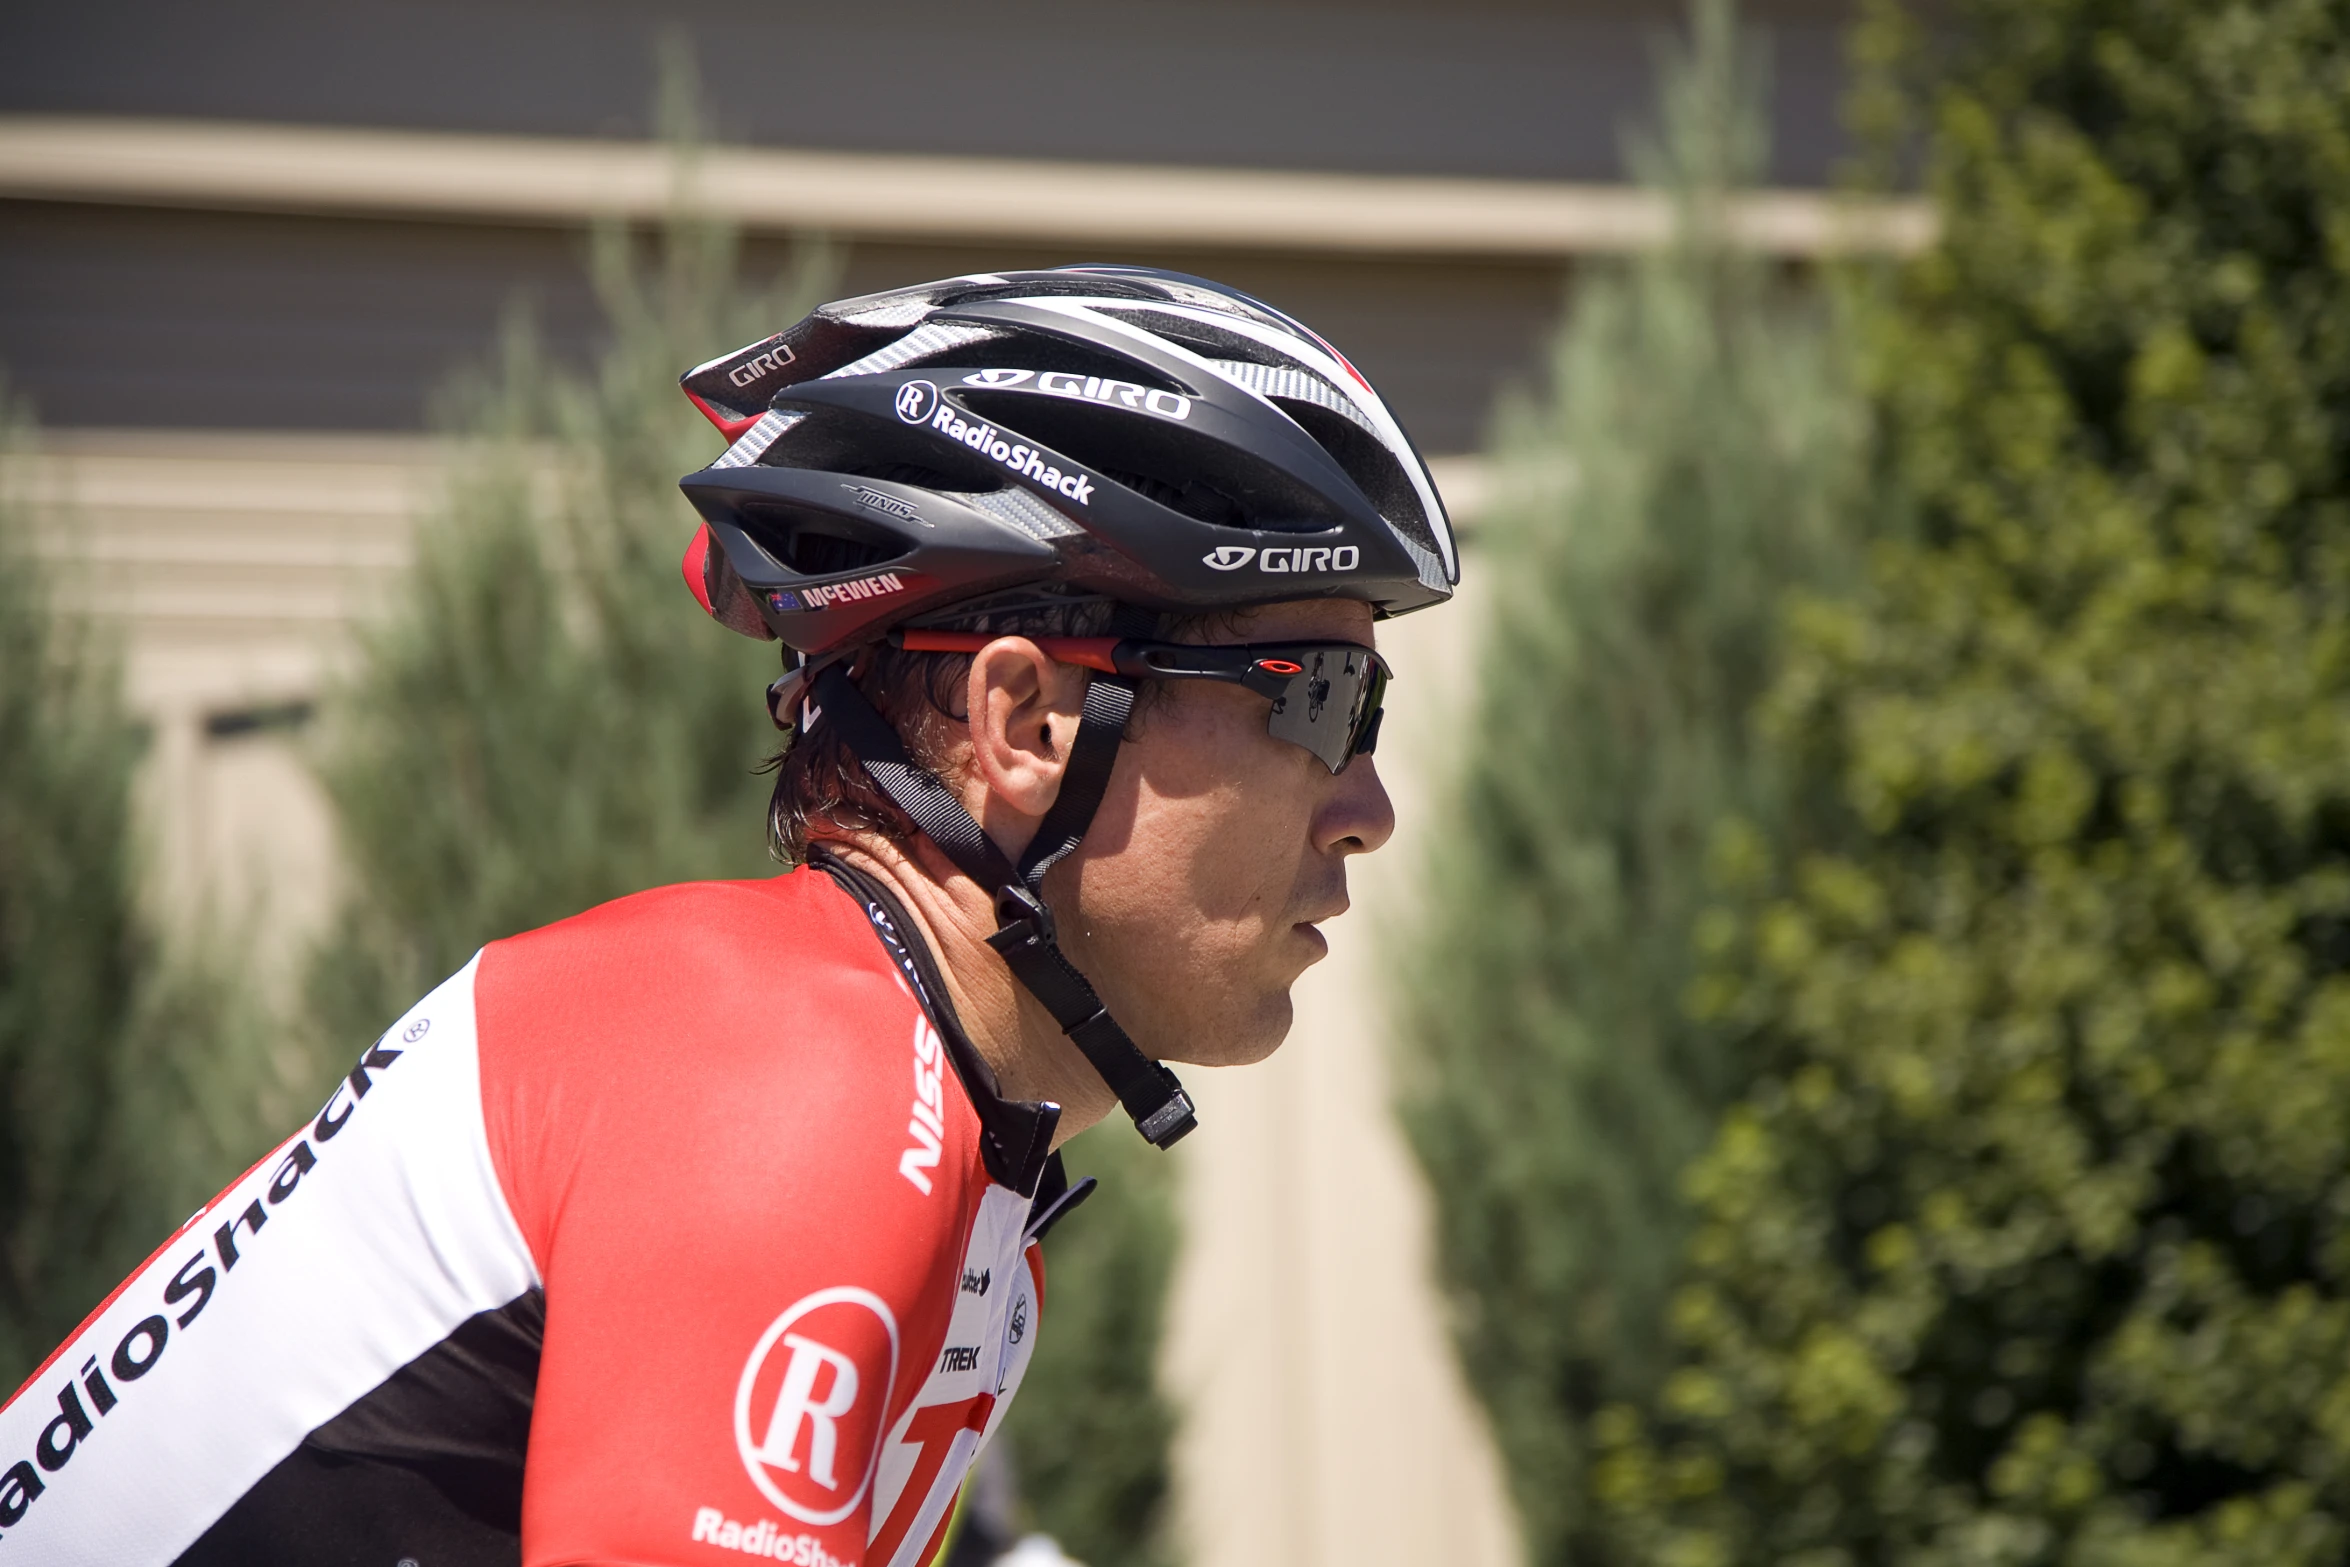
(820, 786)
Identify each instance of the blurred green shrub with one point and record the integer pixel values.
(134, 1079)
(545, 720)
(2033, 1244)
(1696, 451)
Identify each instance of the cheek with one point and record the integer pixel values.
(1221, 816)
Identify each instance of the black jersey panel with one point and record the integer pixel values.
(319, 1509)
(426, 1468)
(464, 1402)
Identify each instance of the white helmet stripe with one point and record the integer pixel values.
(754, 442)
(1289, 381)
(1342, 378)
(934, 338)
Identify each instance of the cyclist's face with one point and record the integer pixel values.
(1216, 853)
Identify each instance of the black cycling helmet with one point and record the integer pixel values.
(1091, 432)
(1117, 431)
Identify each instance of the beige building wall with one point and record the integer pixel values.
(234, 567)
(1325, 1422)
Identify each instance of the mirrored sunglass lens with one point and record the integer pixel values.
(1367, 711)
(1323, 708)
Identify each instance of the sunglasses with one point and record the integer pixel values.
(1326, 695)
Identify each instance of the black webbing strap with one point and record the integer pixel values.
(1109, 703)
(1025, 935)
(915, 790)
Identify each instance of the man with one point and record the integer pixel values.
(706, 1223)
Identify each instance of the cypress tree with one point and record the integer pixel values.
(544, 720)
(71, 939)
(134, 1077)
(2030, 1244)
(1694, 452)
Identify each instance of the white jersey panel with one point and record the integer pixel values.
(354, 1248)
(989, 1340)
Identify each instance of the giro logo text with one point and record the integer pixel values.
(1088, 388)
(917, 400)
(772, 357)
(1231, 557)
(807, 1412)
(1344, 558)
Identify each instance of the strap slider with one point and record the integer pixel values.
(1170, 1123)
(1017, 907)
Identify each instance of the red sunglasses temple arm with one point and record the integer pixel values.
(1089, 652)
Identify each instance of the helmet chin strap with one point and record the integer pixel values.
(1025, 934)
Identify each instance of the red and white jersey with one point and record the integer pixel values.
(686, 1230)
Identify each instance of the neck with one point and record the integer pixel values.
(1011, 1030)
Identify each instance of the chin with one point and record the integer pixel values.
(1244, 1039)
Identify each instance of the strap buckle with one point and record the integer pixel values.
(1017, 906)
(1170, 1123)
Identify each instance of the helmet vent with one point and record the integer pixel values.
(814, 544)
(1047, 285)
(1200, 501)
(1368, 462)
(1163, 461)
(1209, 342)
(1035, 351)
(924, 342)
(865, 448)
(814, 554)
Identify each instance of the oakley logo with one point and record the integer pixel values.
(1089, 389)
(758, 365)
(1228, 557)
(807, 1411)
(917, 400)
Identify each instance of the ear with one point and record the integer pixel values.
(1025, 706)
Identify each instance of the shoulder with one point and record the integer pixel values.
(684, 1039)
(750, 931)
(691, 962)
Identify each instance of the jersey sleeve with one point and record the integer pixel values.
(741, 1187)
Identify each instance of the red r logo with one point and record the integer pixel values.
(806, 1421)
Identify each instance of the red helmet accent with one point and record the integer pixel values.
(697, 555)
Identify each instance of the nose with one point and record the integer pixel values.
(1356, 816)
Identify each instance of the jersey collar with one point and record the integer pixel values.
(1015, 1135)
